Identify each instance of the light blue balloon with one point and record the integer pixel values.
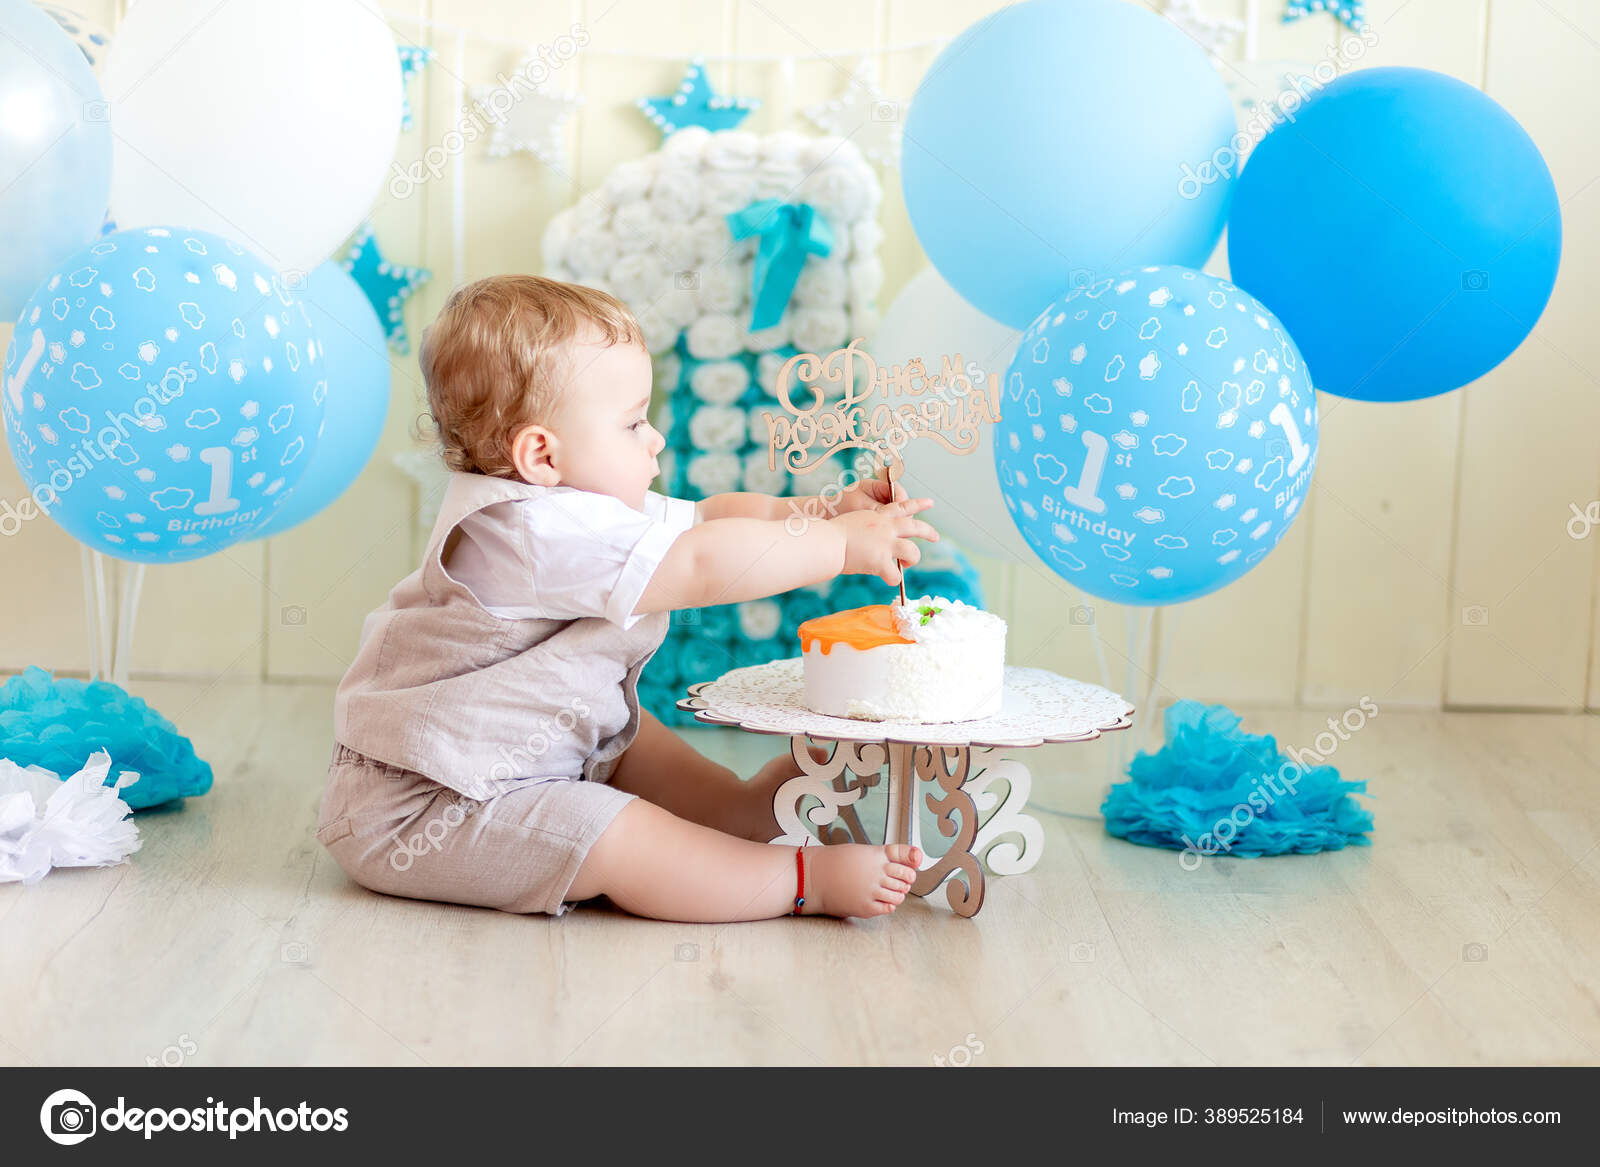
(351, 343)
(55, 151)
(162, 394)
(1055, 142)
(1158, 435)
(1404, 227)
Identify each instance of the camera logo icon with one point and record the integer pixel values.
(292, 616)
(1474, 281)
(68, 1117)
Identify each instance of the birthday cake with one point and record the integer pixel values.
(929, 660)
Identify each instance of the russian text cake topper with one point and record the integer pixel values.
(875, 407)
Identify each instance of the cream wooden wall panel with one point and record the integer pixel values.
(1531, 445)
(1379, 581)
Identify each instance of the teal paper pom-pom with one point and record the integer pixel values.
(1212, 789)
(57, 724)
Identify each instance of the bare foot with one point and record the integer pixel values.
(857, 879)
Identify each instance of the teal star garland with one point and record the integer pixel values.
(1352, 13)
(413, 59)
(387, 285)
(696, 104)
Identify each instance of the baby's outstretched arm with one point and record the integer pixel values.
(859, 495)
(725, 561)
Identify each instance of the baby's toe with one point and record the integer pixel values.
(904, 853)
(890, 896)
(900, 871)
(900, 885)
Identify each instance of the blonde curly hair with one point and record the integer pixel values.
(494, 361)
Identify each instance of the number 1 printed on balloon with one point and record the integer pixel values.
(1086, 493)
(1280, 416)
(220, 459)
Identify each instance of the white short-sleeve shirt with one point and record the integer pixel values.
(567, 553)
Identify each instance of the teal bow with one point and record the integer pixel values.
(790, 232)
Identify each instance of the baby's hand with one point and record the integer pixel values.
(866, 493)
(878, 540)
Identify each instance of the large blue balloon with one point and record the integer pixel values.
(1158, 434)
(355, 355)
(1405, 229)
(55, 151)
(1055, 142)
(162, 394)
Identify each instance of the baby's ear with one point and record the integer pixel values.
(533, 454)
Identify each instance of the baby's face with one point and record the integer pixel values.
(607, 442)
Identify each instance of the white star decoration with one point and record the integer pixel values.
(1212, 33)
(532, 122)
(865, 116)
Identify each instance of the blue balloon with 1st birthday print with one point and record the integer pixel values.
(163, 394)
(1157, 435)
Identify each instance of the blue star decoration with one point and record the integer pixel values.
(696, 104)
(1352, 13)
(413, 59)
(387, 285)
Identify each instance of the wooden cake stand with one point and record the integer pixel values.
(959, 757)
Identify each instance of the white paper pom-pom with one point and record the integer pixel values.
(553, 246)
(678, 245)
(822, 284)
(629, 181)
(786, 146)
(714, 338)
(759, 619)
(768, 366)
(679, 302)
(717, 244)
(818, 330)
(637, 277)
(759, 432)
(762, 340)
(675, 194)
(724, 288)
(591, 252)
(726, 191)
(48, 822)
(864, 322)
(866, 281)
(717, 427)
(714, 473)
(592, 210)
(832, 150)
(731, 150)
(636, 225)
(838, 192)
(720, 382)
(659, 333)
(779, 180)
(687, 144)
(666, 370)
(866, 237)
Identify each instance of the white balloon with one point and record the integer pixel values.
(270, 122)
(929, 319)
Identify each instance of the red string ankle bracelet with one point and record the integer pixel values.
(799, 881)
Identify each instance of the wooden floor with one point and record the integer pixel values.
(1469, 933)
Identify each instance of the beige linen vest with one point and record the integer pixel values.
(481, 703)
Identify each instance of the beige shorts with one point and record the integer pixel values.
(401, 833)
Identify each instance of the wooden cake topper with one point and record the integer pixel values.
(947, 406)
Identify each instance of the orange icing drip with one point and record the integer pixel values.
(860, 628)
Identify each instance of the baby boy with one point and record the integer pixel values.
(489, 745)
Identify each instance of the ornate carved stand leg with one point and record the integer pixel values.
(836, 783)
(947, 766)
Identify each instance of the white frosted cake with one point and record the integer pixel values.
(932, 659)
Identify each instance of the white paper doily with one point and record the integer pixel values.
(1037, 707)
